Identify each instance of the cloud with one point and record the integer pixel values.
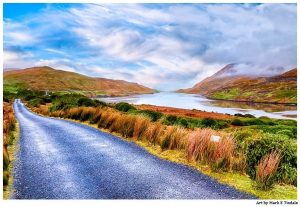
(17, 60)
(164, 46)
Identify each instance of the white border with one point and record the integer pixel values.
(143, 203)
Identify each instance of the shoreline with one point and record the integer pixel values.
(244, 101)
(192, 113)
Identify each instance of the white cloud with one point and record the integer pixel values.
(16, 59)
(170, 46)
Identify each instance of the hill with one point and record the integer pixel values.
(49, 79)
(230, 84)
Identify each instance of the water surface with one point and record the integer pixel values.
(195, 101)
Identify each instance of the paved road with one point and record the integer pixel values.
(60, 159)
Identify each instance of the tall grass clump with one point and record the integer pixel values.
(123, 124)
(198, 143)
(218, 154)
(97, 115)
(141, 124)
(153, 132)
(266, 170)
(87, 113)
(8, 128)
(173, 137)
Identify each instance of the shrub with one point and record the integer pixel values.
(183, 122)
(255, 121)
(208, 122)
(85, 102)
(65, 101)
(99, 103)
(237, 122)
(266, 170)
(170, 120)
(35, 102)
(122, 106)
(153, 115)
(289, 174)
(290, 131)
(244, 115)
(264, 145)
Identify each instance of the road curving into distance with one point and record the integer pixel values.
(59, 159)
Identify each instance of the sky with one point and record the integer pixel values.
(162, 46)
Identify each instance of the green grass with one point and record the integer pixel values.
(226, 94)
(287, 94)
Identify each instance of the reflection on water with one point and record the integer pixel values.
(260, 106)
(192, 101)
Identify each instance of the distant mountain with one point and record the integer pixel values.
(47, 78)
(231, 84)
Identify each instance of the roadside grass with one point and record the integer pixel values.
(12, 150)
(237, 180)
(10, 139)
(167, 142)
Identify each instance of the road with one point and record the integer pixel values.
(59, 159)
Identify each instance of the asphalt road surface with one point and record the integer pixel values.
(59, 159)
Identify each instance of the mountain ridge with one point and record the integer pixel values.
(47, 78)
(280, 88)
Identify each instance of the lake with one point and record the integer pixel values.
(195, 101)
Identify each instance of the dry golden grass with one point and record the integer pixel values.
(42, 109)
(266, 170)
(221, 153)
(8, 125)
(97, 115)
(141, 124)
(197, 144)
(153, 132)
(58, 113)
(123, 124)
(173, 138)
(74, 113)
(87, 113)
(218, 154)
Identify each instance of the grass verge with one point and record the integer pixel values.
(12, 150)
